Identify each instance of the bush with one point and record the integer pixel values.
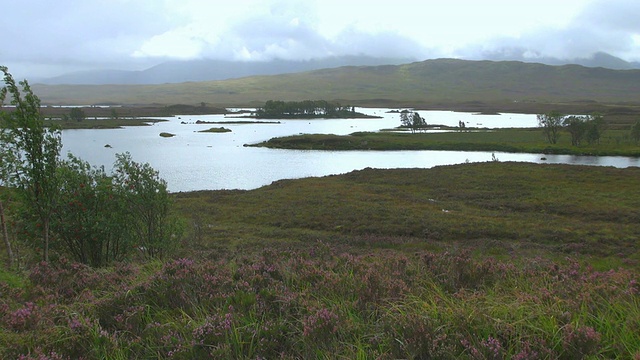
(145, 200)
(101, 219)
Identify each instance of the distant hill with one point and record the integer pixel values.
(208, 70)
(599, 59)
(431, 81)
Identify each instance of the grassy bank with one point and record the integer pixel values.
(554, 209)
(473, 261)
(100, 123)
(613, 142)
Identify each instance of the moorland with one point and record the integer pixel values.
(488, 260)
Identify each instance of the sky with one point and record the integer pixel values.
(47, 38)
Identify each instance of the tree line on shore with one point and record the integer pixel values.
(308, 108)
(581, 128)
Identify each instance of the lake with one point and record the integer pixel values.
(210, 161)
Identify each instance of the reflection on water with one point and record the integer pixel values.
(198, 161)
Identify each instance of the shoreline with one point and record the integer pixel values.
(495, 140)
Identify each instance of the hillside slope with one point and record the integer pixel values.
(210, 70)
(442, 80)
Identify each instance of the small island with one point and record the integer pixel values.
(167, 135)
(216, 130)
(308, 109)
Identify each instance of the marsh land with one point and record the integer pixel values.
(491, 258)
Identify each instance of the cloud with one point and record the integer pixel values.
(257, 35)
(614, 27)
(77, 31)
(284, 30)
(602, 26)
(382, 44)
(129, 34)
(612, 15)
(285, 33)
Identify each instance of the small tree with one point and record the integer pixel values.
(36, 153)
(146, 200)
(635, 132)
(577, 127)
(412, 120)
(406, 118)
(594, 129)
(551, 124)
(6, 161)
(77, 114)
(89, 219)
(5, 237)
(418, 123)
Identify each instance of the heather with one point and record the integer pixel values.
(324, 301)
(473, 261)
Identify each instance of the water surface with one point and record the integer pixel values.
(209, 161)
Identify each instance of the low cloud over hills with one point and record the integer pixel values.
(209, 70)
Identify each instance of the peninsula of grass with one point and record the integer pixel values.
(237, 122)
(348, 115)
(216, 130)
(612, 142)
(100, 123)
(472, 261)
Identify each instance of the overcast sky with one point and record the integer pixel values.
(44, 37)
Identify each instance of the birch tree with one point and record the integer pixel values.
(36, 152)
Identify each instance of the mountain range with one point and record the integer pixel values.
(439, 81)
(598, 59)
(209, 70)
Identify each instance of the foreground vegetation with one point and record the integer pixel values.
(477, 261)
(66, 205)
(612, 142)
(324, 302)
